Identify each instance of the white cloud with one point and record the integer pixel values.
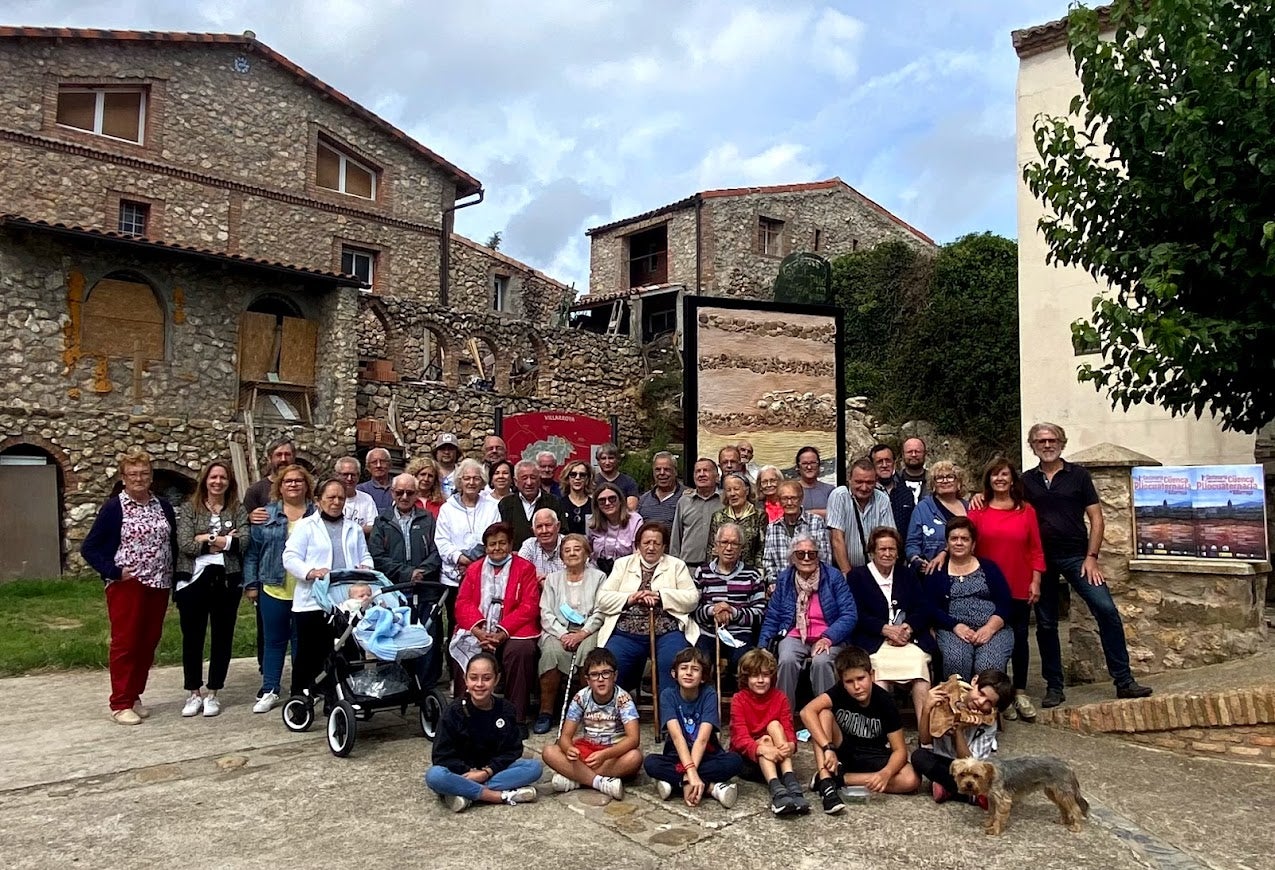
(837, 43)
(727, 166)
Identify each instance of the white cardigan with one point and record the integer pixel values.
(310, 547)
(460, 528)
(679, 596)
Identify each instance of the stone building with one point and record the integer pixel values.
(726, 242)
(205, 246)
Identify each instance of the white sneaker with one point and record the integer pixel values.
(524, 795)
(194, 705)
(611, 787)
(266, 703)
(725, 793)
(456, 803)
(562, 784)
(211, 706)
(665, 788)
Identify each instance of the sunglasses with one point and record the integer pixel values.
(805, 555)
(405, 492)
(579, 474)
(610, 499)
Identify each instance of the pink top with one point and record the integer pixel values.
(818, 625)
(1011, 539)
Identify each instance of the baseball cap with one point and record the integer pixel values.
(444, 440)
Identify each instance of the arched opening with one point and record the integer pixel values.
(175, 486)
(31, 538)
(434, 354)
(478, 365)
(373, 339)
(278, 348)
(123, 317)
(524, 370)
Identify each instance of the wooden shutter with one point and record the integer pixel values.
(300, 346)
(256, 345)
(122, 318)
(77, 108)
(328, 166)
(122, 115)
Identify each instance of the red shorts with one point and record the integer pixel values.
(588, 747)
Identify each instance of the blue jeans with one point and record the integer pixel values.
(442, 781)
(632, 650)
(278, 630)
(1100, 604)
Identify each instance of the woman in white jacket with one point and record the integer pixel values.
(458, 533)
(322, 542)
(644, 587)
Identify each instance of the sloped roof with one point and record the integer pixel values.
(507, 260)
(593, 300)
(827, 184)
(1042, 37)
(466, 184)
(303, 273)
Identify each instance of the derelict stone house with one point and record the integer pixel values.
(723, 243)
(204, 245)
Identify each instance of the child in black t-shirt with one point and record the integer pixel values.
(858, 739)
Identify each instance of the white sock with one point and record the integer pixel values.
(598, 780)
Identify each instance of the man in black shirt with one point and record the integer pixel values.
(902, 499)
(1064, 496)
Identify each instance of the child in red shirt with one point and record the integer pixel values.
(761, 730)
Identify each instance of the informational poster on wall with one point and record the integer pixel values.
(1205, 511)
(565, 435)
(768, 374)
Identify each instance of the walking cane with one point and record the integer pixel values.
(717, 667)
(566, 696)
(655, 672)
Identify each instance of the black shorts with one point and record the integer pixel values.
(861, 761)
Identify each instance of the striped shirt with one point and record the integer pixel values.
(743, 589)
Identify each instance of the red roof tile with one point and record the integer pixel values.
(593, 300)
(1042, 37)
(466, 183)
(827, 184)
(301, 272)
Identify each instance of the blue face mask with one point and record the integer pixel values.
(499, 563)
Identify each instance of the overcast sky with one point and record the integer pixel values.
(576, 112)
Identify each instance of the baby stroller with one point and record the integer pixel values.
(365, 671)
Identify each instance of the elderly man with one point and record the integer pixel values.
(519, 507)
(541, 550)
(751, 468)
(281, 453)
(608, 457)
(446, 454)
(378, 487)
(792, 522)
(402, 548)
(853, 513)
(547, 464)
(359, 506)
(494, 450)
(902, 501)
(729, 461)
(659, 503)
(694, 512)
(732, 597)
(1064, 497)
(817, 492)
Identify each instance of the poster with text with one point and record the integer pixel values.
(1206, 511)
(565, 435)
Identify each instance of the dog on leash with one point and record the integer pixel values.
(1005, 779)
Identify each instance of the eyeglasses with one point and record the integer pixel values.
(944, 478)
(1045, 441)
(601, 675)
(808, 464)
(399, 492)
(610, 499)
(293, 483)
(805, 555)
(136, 475)
(734, 544)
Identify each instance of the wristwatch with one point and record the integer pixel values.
(829, 748)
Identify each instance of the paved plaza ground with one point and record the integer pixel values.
(241, 791)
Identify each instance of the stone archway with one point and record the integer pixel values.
(31, 539)
(480, 367)
(530, 368)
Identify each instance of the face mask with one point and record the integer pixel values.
(498, 564)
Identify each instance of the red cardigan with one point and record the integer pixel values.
(751, 713)
(521, 616)
(1011, 539)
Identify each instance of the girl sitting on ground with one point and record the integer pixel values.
(478, 751)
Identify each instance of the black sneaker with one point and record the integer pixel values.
(832, 803)
(1053, 697)
(1133, 689)
(782, 805)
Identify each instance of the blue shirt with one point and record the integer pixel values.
(690, 714)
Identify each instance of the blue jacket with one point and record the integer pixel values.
(874, 610)
(834, 597)
(927, 532)
(263, 562)
(103, 540)
(938, 594)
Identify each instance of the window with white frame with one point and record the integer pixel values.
(500, 293)
(359, 263)
(134, 216)
(337, 170)
(117, 113)
(770, 236)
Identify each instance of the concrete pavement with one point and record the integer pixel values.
(241, 791)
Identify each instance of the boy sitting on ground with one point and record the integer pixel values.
(761, 731)
(693, 758)
(608, 750)
(857, 735)
(991, 691)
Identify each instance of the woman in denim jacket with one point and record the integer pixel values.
(268, 584)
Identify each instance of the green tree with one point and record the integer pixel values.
(1160, 182)
(493, 241)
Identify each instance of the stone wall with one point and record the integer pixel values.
(531, 295)
(608, 257)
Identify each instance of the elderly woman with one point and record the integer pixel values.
(268, 583)
(323, 542)
(892, 623)
(649, 591)
(429, 491)
(1009, 535)
(812, 614)
(498, 611)
(969, 605)
(208, 583)
(732, 599)
(738, 508)
(926, 535)
(768, 479)
(577, 497)
(613, 528)
(569, 622)
(133, 545)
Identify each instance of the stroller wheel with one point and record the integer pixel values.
(341, 729)
(298, 714)
(431, 714)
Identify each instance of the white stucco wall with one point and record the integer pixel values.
(1050, 298)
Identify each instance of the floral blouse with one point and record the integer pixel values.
(144, 542)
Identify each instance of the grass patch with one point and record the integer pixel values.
(61, 624)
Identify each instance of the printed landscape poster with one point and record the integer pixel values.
(768, 373)
(1207, 511)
